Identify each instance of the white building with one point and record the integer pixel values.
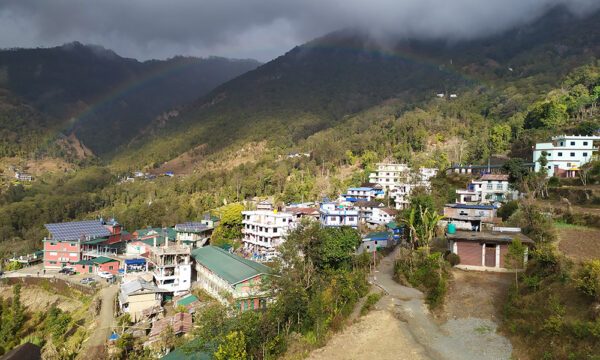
(171, 267)
(388, 174)
(360, 193)
(489, 189)
(382, 216)
(332, 214)
(566, 154)
(264, 230)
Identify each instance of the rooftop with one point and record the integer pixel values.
(489, 236)
(77, 230)
(495, 177)
(378, 236)
(191, 227)
(229, 267)
(465, 206)
(180, 323)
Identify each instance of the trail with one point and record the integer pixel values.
(95, 347)
(402, 327)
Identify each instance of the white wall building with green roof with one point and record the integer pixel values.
(230, 278)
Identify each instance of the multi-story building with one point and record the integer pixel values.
(171, 266)
(565, 154)
(230, 278)
(196, 234)
(469, 217)
(366, 208)
(489, 189)
(67, 241)
(359, 193)
(332, 214)
(264, 230)
(382, 216)
(388, 174)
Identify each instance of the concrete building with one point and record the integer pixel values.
(196, 234)
(171, 266)
(484, 251)
(360, 193)
(230, 278)
(469, 217)
(566, 154)
(382, 216)
(139, 298)
(491, 188)
(264, 230)
(332, 214)
(375, 241)
(366, 209)
(388, 174)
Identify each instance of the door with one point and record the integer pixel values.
(90, 269)
(490, 255)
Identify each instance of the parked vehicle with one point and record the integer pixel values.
(87, 281)
(105, 275)
(66, 270)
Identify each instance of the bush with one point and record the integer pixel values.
(426, 272)
(587, 279)
(508, 209)
(372, 299)
(453, 259)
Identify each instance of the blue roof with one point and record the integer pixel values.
(114, 337)
(360, 188)
(464, 206)
(77, 230)
(135, 261)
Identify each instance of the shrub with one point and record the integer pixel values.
(372, 299)
(508, 209)
(453, 259)
(587, 279)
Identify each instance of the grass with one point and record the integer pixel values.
(372, 299)
(484, 329)
(563, 225)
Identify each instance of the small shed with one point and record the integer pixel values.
(485, 250)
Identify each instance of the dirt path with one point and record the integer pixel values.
(95, 348)
(401, 327)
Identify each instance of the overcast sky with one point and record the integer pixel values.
(260, 29)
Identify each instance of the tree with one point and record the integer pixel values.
(549, 114)
(586, 128)
(499, 138)
(230, 226)
(517, 173)
(233, 348)
(515, 258)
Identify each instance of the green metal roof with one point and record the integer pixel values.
(379, 235)
(187, 300)
(96, 241)
(186, 353)
(229, 267)
(159, 241)
(171, 233)
(103, 260)
(84, 262)
(394, 225)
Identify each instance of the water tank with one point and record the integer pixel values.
(451, 228)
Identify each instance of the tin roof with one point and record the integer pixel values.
(191, 227)
(489, 236)
(495, 177)
(77, 230)
(229, 267)
(378, 236)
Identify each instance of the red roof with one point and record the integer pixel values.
(304, 211)
(495, 177)
(180, 323)
(389, 211)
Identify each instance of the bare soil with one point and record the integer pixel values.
(475, 294)
(37, 299)
(579, 243)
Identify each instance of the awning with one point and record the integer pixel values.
(135, 261)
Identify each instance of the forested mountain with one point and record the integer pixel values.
(103, 98)
(323, 83)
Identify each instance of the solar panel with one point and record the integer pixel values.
(77, 230)
(191, 226)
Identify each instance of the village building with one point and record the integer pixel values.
(376, 241)
(264, 205)
(265, 230)
(360, 193)
(480, 170)
(565, 154)
(382, 216)
(71, 242)
(332, 214)
(180, 323)
(366, 209)
(469, 217)
(96, 265)
(491, 188)
(388, 174)
(171, 266)
(23, 177)
(396, 229)
(140, 298)
(301, 213)
(230, 278)
(196, 234)
(485, 250)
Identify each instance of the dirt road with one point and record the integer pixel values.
(401, 327)
(95, 348)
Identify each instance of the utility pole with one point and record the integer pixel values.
(374, 265)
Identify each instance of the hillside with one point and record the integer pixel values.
(103, 98)
(322, 83)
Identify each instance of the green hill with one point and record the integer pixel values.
(321, 84)
(101, 97)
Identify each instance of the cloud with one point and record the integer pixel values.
(261, 29)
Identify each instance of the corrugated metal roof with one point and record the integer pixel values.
(187, 300)
(103, 260)
(77, 230)
(378, 236)
(229, 267)
(186, 352)
(191, 227)
(465, 206)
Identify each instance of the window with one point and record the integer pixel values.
(550, 167)
(52, 243)
(572, 143)
(585, 143)
(584, 154)
(53, 253)
(499, 186)
(110, 267)
(573, 154)
(490, 186)
(559, 153)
